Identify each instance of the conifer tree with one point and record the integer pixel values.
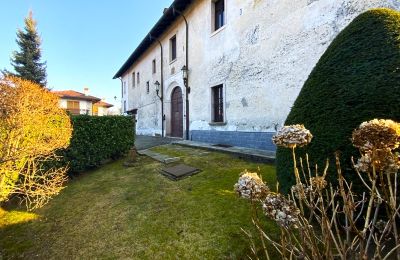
(27, 62)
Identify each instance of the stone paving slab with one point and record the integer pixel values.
(159, 157)
(241, 152)
(179, 172)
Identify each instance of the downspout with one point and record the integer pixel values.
(161, 85)
(187, 67)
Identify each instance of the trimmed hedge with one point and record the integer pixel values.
(357, 79)
(96, 139)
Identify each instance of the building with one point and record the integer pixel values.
(228, 71)
(78, 103)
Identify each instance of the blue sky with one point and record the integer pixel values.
(83, 41)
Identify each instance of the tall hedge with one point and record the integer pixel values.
(357, 79)
(95, 139)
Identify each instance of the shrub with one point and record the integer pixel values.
(32, 128)
(321, 221)
(357, 79)
(95, 139)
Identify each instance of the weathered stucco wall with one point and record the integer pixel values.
(262, 56)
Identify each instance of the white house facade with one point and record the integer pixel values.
(244, 63)
(78, 103)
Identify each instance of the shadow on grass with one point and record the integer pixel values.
(117, 212)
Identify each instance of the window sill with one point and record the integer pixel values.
(172, 61)
(217, 123)
(218, 31)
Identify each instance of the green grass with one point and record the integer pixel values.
(116, 212)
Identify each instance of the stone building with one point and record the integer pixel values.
(228, 71)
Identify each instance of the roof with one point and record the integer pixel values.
(103, 104)
(72, 94)
(158, 29)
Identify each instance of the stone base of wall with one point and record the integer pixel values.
(255, 140)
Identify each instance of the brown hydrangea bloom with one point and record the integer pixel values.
(299, 190)
(280, 209)
(383, 159)
(377, 134)
(251, 186)
(292, 136)
(318, 182)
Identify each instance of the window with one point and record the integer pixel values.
(125, 106)
(133, 79)
(124, 87)
(73, 107)
(217, 104)
(138, 78)
(148, 87)
(172, 48)
(154, 66)
(219, 14)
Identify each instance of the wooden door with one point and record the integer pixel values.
(176, 113)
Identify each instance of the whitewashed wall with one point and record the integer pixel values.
(263, 55)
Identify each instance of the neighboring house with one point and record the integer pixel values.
(78, 103)
(244, 63)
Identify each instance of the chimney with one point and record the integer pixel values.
(165, 10)
(86, 91)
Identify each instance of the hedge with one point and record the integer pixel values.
(96, 139)
(357, 79)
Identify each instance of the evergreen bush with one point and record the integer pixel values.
(96, 139)
(357, 79)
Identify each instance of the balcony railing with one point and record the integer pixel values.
(78, 111)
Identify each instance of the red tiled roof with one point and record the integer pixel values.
(103, 104)
(72, 94)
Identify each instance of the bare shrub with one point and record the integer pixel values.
(319, 221)
(32, 128)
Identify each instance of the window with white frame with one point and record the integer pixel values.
(218, 14)
(133, 79)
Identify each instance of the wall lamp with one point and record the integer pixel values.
(185, 77)
(157, 84)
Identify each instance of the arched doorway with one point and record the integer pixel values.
(176, 113)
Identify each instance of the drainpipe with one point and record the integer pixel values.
(187, 66)
(162, 85)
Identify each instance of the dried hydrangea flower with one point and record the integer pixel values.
(280, 209)
(299, 190)
(364, 163)
(251, 186)
(292, 136)
(318, 183)
(383, 159)
(377, 134)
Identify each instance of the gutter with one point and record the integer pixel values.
(187, 67)
(161, 86)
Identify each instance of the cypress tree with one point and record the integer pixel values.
(26, 62)
(356, 80)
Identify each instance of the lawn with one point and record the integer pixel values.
(116, 212)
